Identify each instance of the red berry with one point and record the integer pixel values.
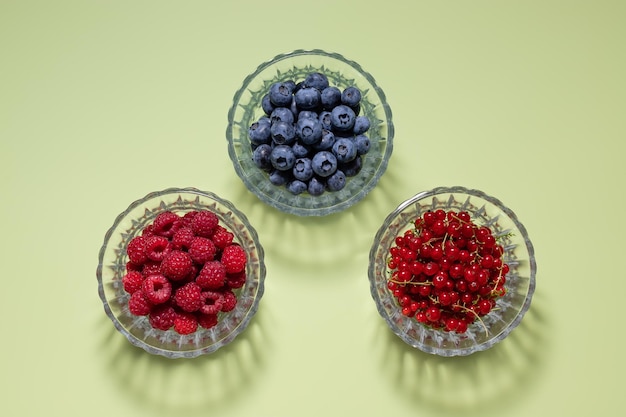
(162, 316)
(212, 275)
(185, 323)
(222, 237)
(157, 289)
(138, 304)
(229, 301)
(157, 247)
(136, 250)
(234, 259)
(207, 321)
(166, 224)
(189, 297)
(132, 281)
(202, 250)
(203, 223)
(182, 238)
(176, 265)
(236, 280)
(212, 302)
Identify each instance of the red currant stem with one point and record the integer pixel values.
(409, 282)
(504, 236)
(477, 317)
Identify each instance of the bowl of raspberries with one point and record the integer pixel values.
(310, 133)
(452, 271)
(181, 272)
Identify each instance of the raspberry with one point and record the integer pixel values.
(182, 238)
(185, 323)
(206, 320)
(222, 237)
(157, 288)
(136, 250)
(166, 224)
(212, 275)
(162, 316)
(151, 268)
(234, 258)
(189, 297)
(157, 247)
(202, 250)
(176, 265)
(203, 223)
(229, 301)
(236, 280)
(132, 281)
(131, 266)
(138, 304)
(212, 302)
(187, 217)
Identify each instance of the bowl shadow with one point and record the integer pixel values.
(184, 386)
(481, 384)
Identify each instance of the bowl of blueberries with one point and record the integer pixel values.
(310, 133)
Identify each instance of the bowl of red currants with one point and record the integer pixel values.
(452, 271)
(181, 273)
(310, 132)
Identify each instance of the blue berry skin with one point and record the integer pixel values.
(331, 98)
(324, 163)
(283, 114)
(266, 104)
(336, 181)
(309, 131)
(302, 169)
(260, 131)
(307, 98)
(279, 178)
(307, 114)
(344, 150)
(353, 167)
(325, 119)
(282, 158)
(281, 94)
(361, 125)
(342, 118)
(297, 187)
(261, 157)
(316, 80)
(316, 187)
(362, 144)
(283, 133)
(327, 141)
(351, 96)
(300, 150)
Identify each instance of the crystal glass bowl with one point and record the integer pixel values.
(342, 73)
(518, 254)
(112, 267)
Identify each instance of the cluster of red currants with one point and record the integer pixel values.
(447, 272)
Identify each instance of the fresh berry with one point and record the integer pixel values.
(189, 297)
(222, 237)
(212, 302)
(185, 323)
(182, 238)
(138, 304)
(229, 301)
(236, 280)
(162, 316)
(156, 247)
(166, 224)
(157, 288)
(202, 250)
(203, 223)
(132, 281)
(177, 264)
(282, 158)
(324, 164)
(207, 321)
(234, 259)
(212, 275)
(136, 250)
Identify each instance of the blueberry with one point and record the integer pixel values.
(281, 94)
(361, 125)
(351, 96)
(283, 133)
(282, 157)
(324, 163)
(307, 98)
(330, 97)
(327, 141)
(336, 181)
(261, 157)
(297, 187)
(278, 177)
(325, 119)
(309, 130)
(316, 80)
(283, 114)
(342, 118)
(294, 108)
(307, 114)
(362, 144)
(302, 169)
(299, 150)
(259, 131)
(316, 187)
(344, 150)
(353, 167)
(266, 105)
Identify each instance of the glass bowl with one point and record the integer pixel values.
(342, 73)
(112, 267)
(518, 254)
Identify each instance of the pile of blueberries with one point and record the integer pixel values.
(311, 136)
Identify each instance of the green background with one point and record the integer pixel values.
(102, 102)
